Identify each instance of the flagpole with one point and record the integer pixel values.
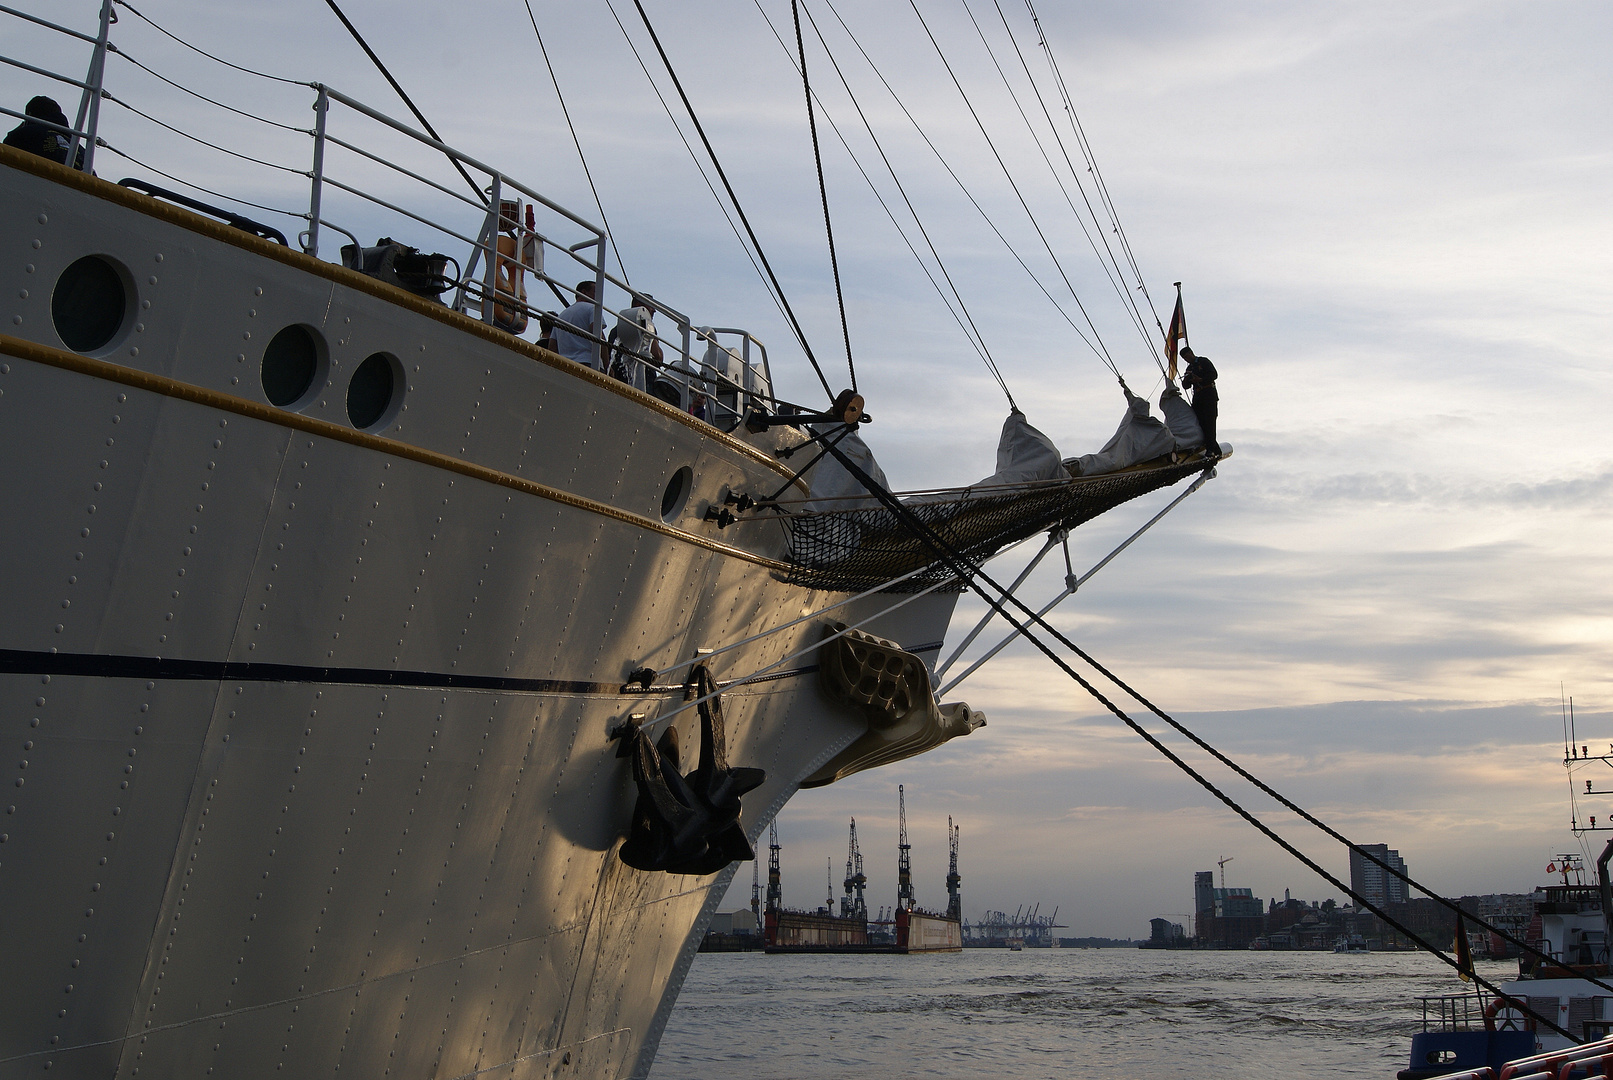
(1178, 330)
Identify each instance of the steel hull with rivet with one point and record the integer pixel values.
(310, 726)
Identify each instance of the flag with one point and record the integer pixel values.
(1464, 954)
(1177, 332)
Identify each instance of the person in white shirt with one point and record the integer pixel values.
(581, 316)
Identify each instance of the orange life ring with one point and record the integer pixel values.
(1494, 1022)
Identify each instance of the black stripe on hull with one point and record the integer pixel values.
(171, 669)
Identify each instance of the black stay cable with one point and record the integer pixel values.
(722, 207)
(575, 141)
(971, 332)
(1106, 257)
(1103, 355)
(418, 115)
(823, 190)
(666, 61)
(971, 572)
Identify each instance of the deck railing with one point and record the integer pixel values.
(718, 373)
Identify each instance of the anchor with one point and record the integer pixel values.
(687, 824)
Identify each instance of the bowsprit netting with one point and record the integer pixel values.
(855, 549)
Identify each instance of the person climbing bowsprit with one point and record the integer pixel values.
(1200, 377)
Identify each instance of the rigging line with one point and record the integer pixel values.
(1117, 278)
(230, 108)
(823, 191)
(197, 139)
(418, 115)
(951, 172)
(1092, 161)
(700, 130)
(197, 187)
(615, 247)
(969, 334)
(966, 569)
(694, 157)
(978, 339)
(971, 572)
(217, 59)
(1104, 356)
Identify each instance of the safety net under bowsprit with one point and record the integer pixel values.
(858, 548)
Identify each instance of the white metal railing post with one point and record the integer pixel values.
(686, 367)
(599, 304)
(317, 188)
(89, 105)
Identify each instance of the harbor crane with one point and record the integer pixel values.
(904, 853)
(954, 898)
(852, 905)
(756, 892)
(775, 880)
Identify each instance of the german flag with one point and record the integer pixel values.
(1177, 332)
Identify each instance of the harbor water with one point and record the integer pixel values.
(1045, 1013)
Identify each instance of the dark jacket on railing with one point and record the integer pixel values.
(41, 139)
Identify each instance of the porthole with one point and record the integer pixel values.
(374, 392)
(293, 365)
(91, 303)
(676, 493)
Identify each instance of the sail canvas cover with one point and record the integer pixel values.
(1139, 438)
(1179, 417)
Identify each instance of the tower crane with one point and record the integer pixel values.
(954, 898)
(775, 881)
(1222, 863)
(904, 853)
(852, 905)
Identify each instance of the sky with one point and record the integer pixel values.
(1391, 224)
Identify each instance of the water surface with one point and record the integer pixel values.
(1043, 1013)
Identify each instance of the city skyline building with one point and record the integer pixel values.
(1370, 881)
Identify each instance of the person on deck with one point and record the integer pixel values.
(1200, 377)
(40, 138)
(581, 316)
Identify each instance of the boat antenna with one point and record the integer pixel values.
(823, 190)
(418, 115)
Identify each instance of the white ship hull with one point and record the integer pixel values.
(311, 726)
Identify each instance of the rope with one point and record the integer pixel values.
(197, 187)
(197, 139)
(800, 335)
(418, 115)
(701, 169)
(972, 573)
(823, 191)
(952, 173)
(976, 338)
(211, 101)
(1104, 354)
(1115, 275)
(1092, 163)
(615, 249)
(216, 59)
